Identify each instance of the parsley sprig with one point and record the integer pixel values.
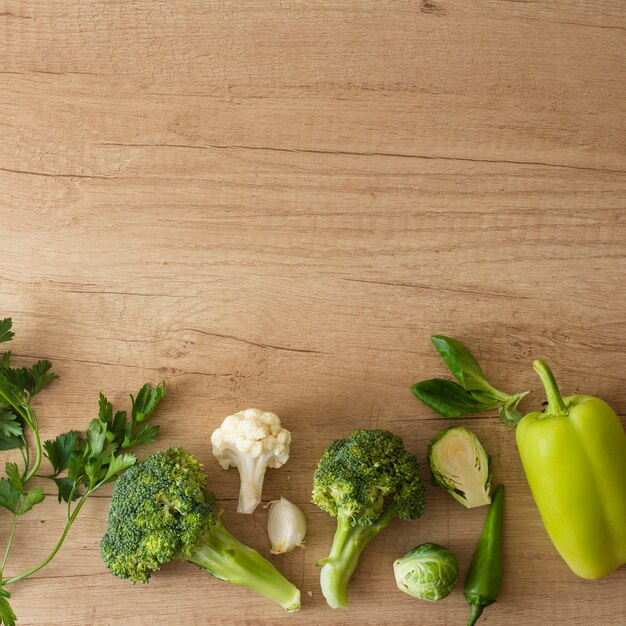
(80, 464)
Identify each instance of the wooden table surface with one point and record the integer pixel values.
(275, 204)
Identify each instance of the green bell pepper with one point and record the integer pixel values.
(574, 456)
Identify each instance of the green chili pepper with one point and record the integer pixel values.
(484, 578)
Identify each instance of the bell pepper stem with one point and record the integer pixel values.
(556, 405)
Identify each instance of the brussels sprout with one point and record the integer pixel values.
(427, 572)
(461, 466)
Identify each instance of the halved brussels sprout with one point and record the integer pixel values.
(427, 572)
(461, 466)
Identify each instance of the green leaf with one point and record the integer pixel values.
(118, 426)
(10, 498)
(40, 376)
(509, 413)
(10, 427)
(76, 467)
(20, 380)
(6, 334)
(7, 616)
(461, 362)
(26, 382)
(33, 497)
(97, 458)
(12, 383)
(119, 464)
(105, 410)
(449, 398)
(10, 443)
(5, 360)
(16, 502)
(60, 450)
(146, 401)
(65, 485)
(145, 434)
(93, 471)
(95, 437)
(15, 478)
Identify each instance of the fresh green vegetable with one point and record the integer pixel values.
(428, 572)
(364, 481)
(484, 578)
(80, 465)
(472, 394)
(461, 466)
(574, 456)
(159, 512)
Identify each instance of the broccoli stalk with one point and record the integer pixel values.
(226, 558)
(159, 512)
(364, 481)
(339, 565)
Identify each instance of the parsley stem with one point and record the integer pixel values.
(26, 456)
(10, 541)
(56, 548)
(69, 502)
(33, 470)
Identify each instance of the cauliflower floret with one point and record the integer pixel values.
(251, 440)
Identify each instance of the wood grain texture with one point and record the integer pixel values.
(275, 204)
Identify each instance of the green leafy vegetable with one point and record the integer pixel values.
(6, 612)
(16, 500)
(60, 450)
(461, 466)
(80, 464)
(6, 334)
(9, 426)
(472, 394)
(428, 572)
(365, 481)
(160, 511)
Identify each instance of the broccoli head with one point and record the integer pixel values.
(159, 512)
(364, 481)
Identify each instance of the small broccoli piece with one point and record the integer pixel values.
(159, 512)
(364, 481)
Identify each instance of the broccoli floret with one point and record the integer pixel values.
(159, 512)
(364, 481)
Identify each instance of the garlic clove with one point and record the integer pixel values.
(286, 526)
